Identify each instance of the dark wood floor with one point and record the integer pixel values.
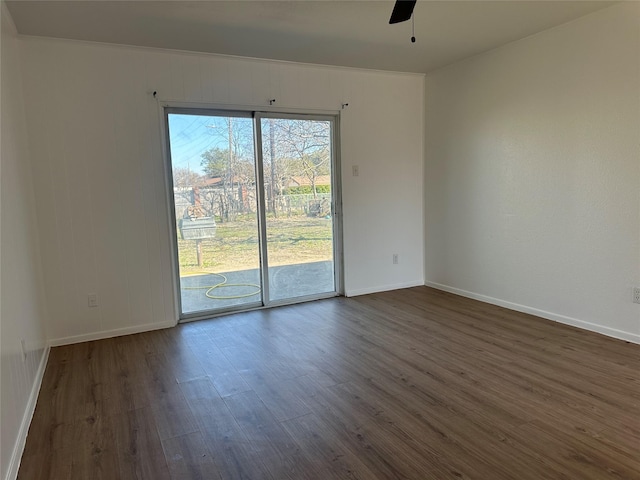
(410, 384)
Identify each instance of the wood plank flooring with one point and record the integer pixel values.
(410, 384)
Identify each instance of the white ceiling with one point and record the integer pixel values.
(347, 33)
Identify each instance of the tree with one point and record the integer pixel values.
(306, 143)
(277, 168)
(233, 165)
(184, 181)
(313, 166)
(291, 147)
(185, 178)
(215, 162)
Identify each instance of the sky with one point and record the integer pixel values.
(192, 135)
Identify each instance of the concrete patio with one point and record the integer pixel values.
(233, 289)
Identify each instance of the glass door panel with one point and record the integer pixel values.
(297, 169)
(214, 194)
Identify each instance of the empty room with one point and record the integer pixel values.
(320, 240)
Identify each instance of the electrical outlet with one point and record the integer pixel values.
(636, 295)
(23, 345)
(92, 300)
(355, 171)
(395, 258)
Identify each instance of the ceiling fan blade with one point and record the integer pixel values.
(402, 11)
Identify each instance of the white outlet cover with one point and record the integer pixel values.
(92, 300)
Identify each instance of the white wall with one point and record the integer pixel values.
(99, 179)
(533, 174)
(22, 316)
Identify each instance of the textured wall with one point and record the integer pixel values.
(533, 173)
(99, 178)
(22, 316)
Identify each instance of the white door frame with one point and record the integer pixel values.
(336, 199)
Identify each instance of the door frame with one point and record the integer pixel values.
(256, 113)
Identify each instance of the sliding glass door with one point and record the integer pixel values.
(297, 164)
(254, 199)
(216, 216)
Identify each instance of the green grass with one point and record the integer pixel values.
(290, 240)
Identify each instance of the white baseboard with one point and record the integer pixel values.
(118, 332)
(18, 449)
(574, 322)
(382, 288)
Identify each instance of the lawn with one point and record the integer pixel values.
(290, 240)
